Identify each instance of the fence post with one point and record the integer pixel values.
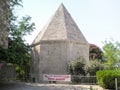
(116, 84)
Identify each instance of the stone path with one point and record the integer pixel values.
(30, 86)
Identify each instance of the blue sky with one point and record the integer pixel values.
(99, 20)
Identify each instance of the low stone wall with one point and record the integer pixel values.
(7, 72)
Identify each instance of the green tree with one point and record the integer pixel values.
(95, 53)
(18, 51)
(111, 54)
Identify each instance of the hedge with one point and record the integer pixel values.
(106, 78)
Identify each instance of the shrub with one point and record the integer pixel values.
(93, 66)
(106, 78)
(76, 67)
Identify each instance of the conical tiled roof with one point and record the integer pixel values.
(61, 27)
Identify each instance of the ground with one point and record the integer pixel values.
(35, 86)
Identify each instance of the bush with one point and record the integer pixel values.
(76, 67)
(93, 66)
(106, 78)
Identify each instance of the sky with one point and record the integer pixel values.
(98, 20)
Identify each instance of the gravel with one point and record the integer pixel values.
(35, 86)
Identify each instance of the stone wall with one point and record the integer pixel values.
(7, 72)
(4, 7)
(78, 50)
(53, 57)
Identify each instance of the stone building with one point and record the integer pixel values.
(60, 42)
(4, 7)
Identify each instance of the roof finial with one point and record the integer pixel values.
(61, 4)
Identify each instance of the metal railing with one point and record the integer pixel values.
(84, 79)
